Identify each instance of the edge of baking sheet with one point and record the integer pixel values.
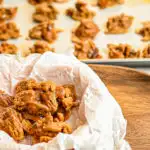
(120, 62)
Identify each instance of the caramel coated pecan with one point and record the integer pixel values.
(122, 51)
(49, 99)
(38, 110)
(146, 52)
(86, 50)
(45, 12)
(9, 31)
(11, 123)
(22, 98)
(6, 100)
(109, 3)
(47, 86)
(7, 13)
(80, 12)
(44, 31)
(86, 30)
(119, 24)
(144, 31)
(41, 47)
(24, 85)
(6, 48)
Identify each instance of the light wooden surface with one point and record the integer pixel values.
(132, 91)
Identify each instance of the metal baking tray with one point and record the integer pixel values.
(121, 62)
(139, 9)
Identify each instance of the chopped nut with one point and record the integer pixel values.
(41, 47)
(7, 13)
(49, 99)
(133, 54)
(44, 31)
(9, 31)
(145, 31)
(67, 103)
(37, 127)
(57, 127)
(45, 12)
(35, 2)
(60, 92)
(36, 108)
(122, 51)
(30, 84)
(119, 24)
(10, 123)
(67, 129)
(48, 86)
(26, 124)
(62, 110)
(109, 3)
(6, 100)
(32, 117)
(146, 52)
(45, 139)
(23, 97)
(70, 91)
(86, 30)
(60, 116)
(86, 50)
(81, 12)
(6, 48)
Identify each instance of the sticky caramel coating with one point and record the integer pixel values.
(11, 123)
(86, 49)
(44, 31)
(86, 30)
(146, 52)
(7, 13)
(80, 12)
(7, 48)
(109, 3)
(144, 31)
(38, 109)
(9, 31)
(41, 47)
(45, 12)
(122, 51)
(118, 24)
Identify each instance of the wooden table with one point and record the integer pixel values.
(132, 91)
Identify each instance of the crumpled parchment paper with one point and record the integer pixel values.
(98, 123)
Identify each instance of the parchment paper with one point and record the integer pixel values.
(98, 123)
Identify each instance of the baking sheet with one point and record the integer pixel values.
(140, 9)
(122, 62)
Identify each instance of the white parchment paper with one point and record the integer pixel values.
(98, 123)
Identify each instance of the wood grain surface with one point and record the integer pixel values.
(132, 91)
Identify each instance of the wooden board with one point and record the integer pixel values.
(132, 91)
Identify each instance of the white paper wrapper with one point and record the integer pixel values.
(98, 123)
